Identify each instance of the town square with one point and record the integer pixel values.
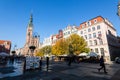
(60, 40)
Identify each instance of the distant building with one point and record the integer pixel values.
(69, 30)
(5, 46)
(53, 39)
(32, 39)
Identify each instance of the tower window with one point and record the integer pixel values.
(29, 34)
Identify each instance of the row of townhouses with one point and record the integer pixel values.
(99, 33)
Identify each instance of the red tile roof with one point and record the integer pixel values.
(98, 19)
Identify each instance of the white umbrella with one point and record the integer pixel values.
(83, 54)
(93, 54)
(4, 54)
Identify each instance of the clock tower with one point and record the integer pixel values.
(29, 33)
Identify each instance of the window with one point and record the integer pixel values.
(89, 30)
(95, 42)
(83, 26)
(90, 42)
(28, 33)
(102, 51)
(68, 32)
(90, 36)
(95, 21)
(99, 32)
(93, 28)
(92, 50)
(94, 35)
(88, 23)
(98, 27)
(96, 50)
(100, 41)
(84, 31)
(81, 32)
(85, 36)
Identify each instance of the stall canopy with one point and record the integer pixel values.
(93, 54)
(83, 54)
(4, 54)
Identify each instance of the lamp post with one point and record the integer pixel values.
(14, 52)
(118, 13)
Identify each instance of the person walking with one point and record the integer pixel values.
(70, 61)
(47, 62)
(40, 63)
(102, 64)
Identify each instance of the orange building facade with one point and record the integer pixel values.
(5, 46)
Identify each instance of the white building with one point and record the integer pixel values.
(47, 41)
(69, 30)
(96, 32)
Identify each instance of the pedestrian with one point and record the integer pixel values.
(47, 62)
(70, 61)
(40, 63)
(102, 64)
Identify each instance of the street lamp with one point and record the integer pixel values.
(14, 52)
(118, 13)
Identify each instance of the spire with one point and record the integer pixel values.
(31, 21)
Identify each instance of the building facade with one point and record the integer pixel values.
(100, 35)
(5, 46)
(95, 33)
(69, 30)
(32, 39)
(53, 39)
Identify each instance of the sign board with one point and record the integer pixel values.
(32, 62)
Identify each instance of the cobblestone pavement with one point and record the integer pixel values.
(61, 71)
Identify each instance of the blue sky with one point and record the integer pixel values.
(50, 15)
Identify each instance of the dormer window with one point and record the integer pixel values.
(95, 21)
(83, 26)
(88, 23)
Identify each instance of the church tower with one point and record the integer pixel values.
(29, 33)
(32, 39)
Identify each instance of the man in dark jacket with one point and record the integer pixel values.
(102, 64)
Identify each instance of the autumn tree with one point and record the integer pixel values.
(44, 51)
(60, 47)
(77, 43)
